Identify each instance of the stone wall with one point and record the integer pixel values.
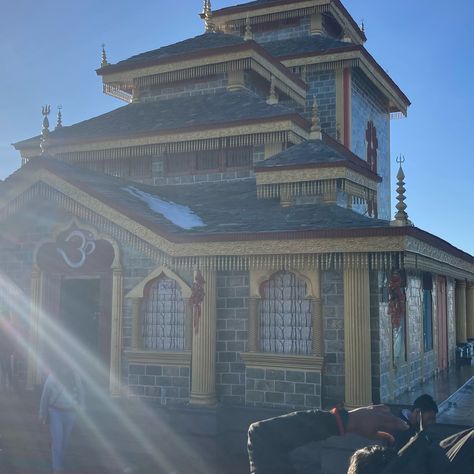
(369, 105)
(391, 379)
(232, 335)
(323, 86)
(332, 293)
(282, 388)
(451, 314)
(169, 385)
(302, 28)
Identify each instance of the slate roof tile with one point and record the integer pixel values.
(162, 115)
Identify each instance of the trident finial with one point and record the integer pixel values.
(45, 110)
(315, 133)
(248, 29)
(272, 97)
(59, 118)
(401, 217)
(103, 60)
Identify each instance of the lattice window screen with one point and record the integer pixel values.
(285, 316)
(163, 316)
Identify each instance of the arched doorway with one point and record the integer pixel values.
(77, 271)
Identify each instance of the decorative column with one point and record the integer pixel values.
(116, 331)
(188, 325)
(470, 310)
(357, 344)
(253, 337)
(460, 303)
(137, 324)
(34, 363)
(317, 318)
(203, 383)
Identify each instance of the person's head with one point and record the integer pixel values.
(425, 407)
(370, 460)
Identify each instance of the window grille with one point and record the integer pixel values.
(239, 157)
(208, 160)
(140, 167)
(285, 316)
(180, 163)
(163, 316)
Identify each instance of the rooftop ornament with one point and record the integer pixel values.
(59, 118)
(248, 29)
(45, 110)
(103, 60)
(315, 133)
(207, 12)
(401, 217)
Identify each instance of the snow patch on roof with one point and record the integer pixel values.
(179, 215)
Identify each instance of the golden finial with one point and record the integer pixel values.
(59, 118)
(315, 133)
(103, 61)
(401, 217)
(362, 26)
(207, 12)
(273, 97)
(248, 29)
(45, 110)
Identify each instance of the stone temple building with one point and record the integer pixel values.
(224, 237)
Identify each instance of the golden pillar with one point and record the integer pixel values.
(188, 325)
(253, 324)
(116, 332)
(34, 363)
(203, 382)
(357, 357)
(470, 310)
(460, 302)
(137, 324)
(317, 318)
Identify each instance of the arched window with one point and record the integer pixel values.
(163, 316)
(285, 315)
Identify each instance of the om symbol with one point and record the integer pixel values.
(84, 248)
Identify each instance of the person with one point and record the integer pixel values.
(62, 397)
(422, 414)
(271, 441)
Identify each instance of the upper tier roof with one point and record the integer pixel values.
(305, 44)
(205, 41)
(186, 112)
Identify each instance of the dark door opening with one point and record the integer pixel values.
(80, 317)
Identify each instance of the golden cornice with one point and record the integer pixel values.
(277, 361)
(313, 174)
(182, 359)
(273, 124)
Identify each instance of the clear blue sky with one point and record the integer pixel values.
(49, 51)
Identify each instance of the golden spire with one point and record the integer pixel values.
(273, 97)
(59, 118)
(45, 110)
(315, 133)
(207, 12)
(103, 60)
(401, 217)
(248, 29)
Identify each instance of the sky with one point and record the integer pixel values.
(49, 51)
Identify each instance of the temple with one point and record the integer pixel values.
(224, 237)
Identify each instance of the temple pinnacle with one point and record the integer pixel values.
(401, 217)
(248, 29)
(103, 61)
(207, 12)
(315, 133)
(59, 118)
(45, 110)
